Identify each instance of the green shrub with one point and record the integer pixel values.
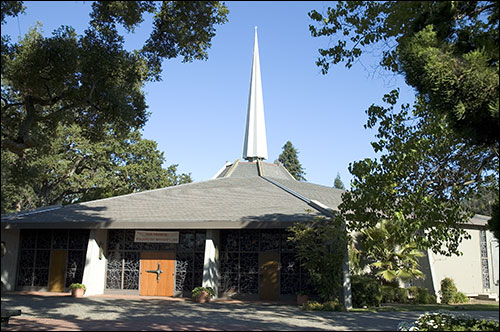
(419, 295)
(327, 306)
(460, 297)
(365, 291)
(448, 290)
(76, 285)
(448, 322)
(394, 294)
(197, 291)
(449, 293)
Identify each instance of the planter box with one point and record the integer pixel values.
(301, 299)
(203, 297)
(77, 292)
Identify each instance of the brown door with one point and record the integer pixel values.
(57, 270)
(269, 276)
(157, 273)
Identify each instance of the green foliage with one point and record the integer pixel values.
(448, 322)
(419, 295)
(337, 183)
(483, 201)
(321, 249)
(327, 306)
(393, 294)
(448, 290)
(494, 222)
(77, 286)
(12, 8)
(366, 291)
(72, 104)
(450, 294)
(91, 80)
(447, 50)
(415, 295)
(196, 292)
(74, 169)
(390, 258)
(421, 180)
(289, 159)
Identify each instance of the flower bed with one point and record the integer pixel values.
(448, 322)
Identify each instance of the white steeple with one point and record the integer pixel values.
(255, 144)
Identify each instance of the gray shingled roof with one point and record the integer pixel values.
(240, 198)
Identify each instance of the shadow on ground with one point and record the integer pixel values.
(44, 313)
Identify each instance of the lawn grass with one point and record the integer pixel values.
(430, 307)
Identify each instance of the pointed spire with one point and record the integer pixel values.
(255, 143)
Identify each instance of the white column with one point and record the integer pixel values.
(346, 277)
(211, 261)
(94, 274)
(10, 238)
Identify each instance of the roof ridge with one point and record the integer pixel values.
(323, 208)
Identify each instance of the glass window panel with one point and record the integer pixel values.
(289, 263)
(113, 279)
(199, 259)
(188, 282)
(42, 259)
(131, 279)
(249, 263)
(25, 277)
(229, 282)
(115, 239)
(28, 238)
(78, 238)
(230, 240)
(285, 244)
(198, 279)
(181, 270)
(229, 262)
(44, 239)
(187, 259)
(249, 283)
(60, 239)
(270, 240)
(249, 240)
(186, 241)
(129, 240)
(27, 259)
(289, 283)
(41, 277)
(200, 241)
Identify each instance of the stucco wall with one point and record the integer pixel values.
(9, 260)
(465, 270)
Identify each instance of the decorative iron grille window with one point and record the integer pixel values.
(240, 261)
(124, 256)
(484, 259)
(35, 252)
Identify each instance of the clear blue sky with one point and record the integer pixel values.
(198, 109)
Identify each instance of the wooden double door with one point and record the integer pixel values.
(157, 273)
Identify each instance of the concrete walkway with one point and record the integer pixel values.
(61, 312)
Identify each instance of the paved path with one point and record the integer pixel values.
(57, 312)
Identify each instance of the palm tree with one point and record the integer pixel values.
(390, 258)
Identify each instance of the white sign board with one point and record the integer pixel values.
(156, 237)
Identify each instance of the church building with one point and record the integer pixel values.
(228, 233)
